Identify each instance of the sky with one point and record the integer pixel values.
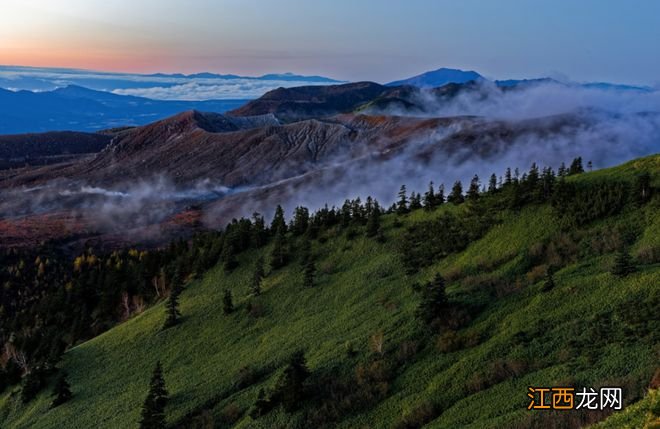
(379, 40)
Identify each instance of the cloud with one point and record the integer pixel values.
(197, 91)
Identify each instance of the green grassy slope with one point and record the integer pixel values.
(580, 333)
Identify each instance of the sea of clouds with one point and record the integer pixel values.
(159, 86)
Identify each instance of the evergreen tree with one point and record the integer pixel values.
(373, 221)
(456, 195)
(492, 184)
(290, 388)
(429, 198)
(434, 300)
(402, 203)
(227, 302)
(576, 166)
(280, 254)
(507, 177)
(473, 190)
(562, 171)
(172, 308)
(278, 224)
(259, 235)
(623, 264)
(153, 409)
(61, 392)
(415, 201)
(257, 277)
(440, 195)
(300, 221)
(228, 256)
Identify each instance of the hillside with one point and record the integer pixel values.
(372, 362)
(19, 150)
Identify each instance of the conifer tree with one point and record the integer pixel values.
(153, 409)
(456, 195)
(172, 308)
(257, 277)
(429, 198)
(373, 221)
(279, 255)
(440, 195)
(434, 300)
(259, 234)
(61, 392)
(473, 190)
(623, 264)
(576, 166)
(228, 256)
(290, 388)
(492, 184)
(402, 203)
(227, 302)
(278, 224)
(415, 201)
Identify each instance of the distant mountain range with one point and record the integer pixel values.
(81, 109)
(445, 76)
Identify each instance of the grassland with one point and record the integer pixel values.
(592, 329)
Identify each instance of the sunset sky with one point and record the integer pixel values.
(346, 39)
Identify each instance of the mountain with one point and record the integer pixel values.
(438, 78)
(224, 163)
(305, 102)
(20, 150)
(76, 108)
(528, 297)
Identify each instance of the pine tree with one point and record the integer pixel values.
(61, 392)
(227, 302)
(257, 277)
(278, 224)
(279, 255)
(507, 177)
(172, 308)
(402, 203)
(440, 195)
(153, 409)
(259, 234)
(473, 190)
(415, 201)
(562, 171)
(429, 198)
(456, 195)
(576, 166)
(373, 221)
(623, 264)
(290, 388)
(228, 256)
(492, 184)
(434, 300)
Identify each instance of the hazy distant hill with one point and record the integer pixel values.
(80, 109)
(438, 77)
